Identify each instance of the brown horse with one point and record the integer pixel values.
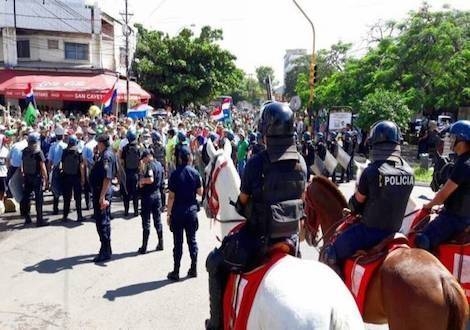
(411, 289)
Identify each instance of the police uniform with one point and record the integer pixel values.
(274, 180)
(32, 159)
(89, 158)
(15, 158)
(151, 201)
(387, 184)
(455, 217)
(103, 168)
(54, 158)
(159, 154)
(72, 162)
(131, 155)
(184, 183)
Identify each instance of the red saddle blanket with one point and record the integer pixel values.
(359, 270)
(241, 290)
(456, 258)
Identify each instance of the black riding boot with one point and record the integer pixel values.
(217, 281)
(78, 206)
(145, 239)
(135, 203)
(160, 241)
(192, 272)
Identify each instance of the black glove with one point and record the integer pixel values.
(355, 206)
(243, 210)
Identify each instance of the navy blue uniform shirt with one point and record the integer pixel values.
(184, 182)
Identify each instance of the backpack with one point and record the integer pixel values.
(71, 163)
(132, 157)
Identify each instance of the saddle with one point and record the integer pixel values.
(241, 289)
(362, 266)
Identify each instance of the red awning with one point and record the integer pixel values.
(68, 86)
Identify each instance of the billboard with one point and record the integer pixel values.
(339, 120)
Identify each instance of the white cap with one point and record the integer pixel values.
(59, 130)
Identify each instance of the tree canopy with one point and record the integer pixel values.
(422, 63)
(185, 68)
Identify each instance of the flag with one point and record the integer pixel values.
(30, 115)
(217, 114)
(29, 95)
(109, 99)
(226, 110)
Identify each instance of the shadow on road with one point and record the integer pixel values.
(134, 289)
(50, 266)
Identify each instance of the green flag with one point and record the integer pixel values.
(30, 115)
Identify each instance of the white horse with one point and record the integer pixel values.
(294, 293)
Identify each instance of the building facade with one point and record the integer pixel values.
(290, 57)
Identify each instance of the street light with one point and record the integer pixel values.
(313, 59)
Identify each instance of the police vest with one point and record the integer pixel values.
(131, 157)
(71, 162)
(159, 153)
(278, 207)
(458, 203)
(388, 196)
(30, 161)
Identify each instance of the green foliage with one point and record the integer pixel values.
(186, 68)
(263, 72)
(381, 105)
(422, 174)
(422, 62)
(248, 89)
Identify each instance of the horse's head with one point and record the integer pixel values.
(222, 189)
(324, 205)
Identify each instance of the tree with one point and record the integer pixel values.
(263, 72)
(384, 105)
(301, 65)
(184, 69)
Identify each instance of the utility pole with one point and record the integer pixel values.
(127, 32)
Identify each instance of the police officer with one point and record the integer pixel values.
(149, 184)
(185, 182)
(73, 175)
(35, 178)
(455, 194)
(380, 198)
(89, 158)
(101, 175)
(273, 177)
(159, 154)
(54, 157)
(308, 151)
(130, 157)
(15, 155)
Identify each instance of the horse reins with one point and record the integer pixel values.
(211, 193)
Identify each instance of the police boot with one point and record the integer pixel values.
(192, 272)
(160, 241)
(27, 220)
(174, 275)
(214, 264)
(105, 252)
(145, 239)
(126, 207)
(135, 203)
(99, 257)
(55, 210)
(78, 206)
(108, 252)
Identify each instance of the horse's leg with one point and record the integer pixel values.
(419, 293)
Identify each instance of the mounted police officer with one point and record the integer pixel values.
(101, 175)
(150, 181)
(455, 194)
(130, 159)
(73, 175)
(184, 184)
(274, 179)
(381, 196)
(35, 178)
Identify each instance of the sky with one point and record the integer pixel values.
(258, 32)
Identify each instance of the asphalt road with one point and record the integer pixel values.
(47, 278)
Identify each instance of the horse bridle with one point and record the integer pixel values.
(210, 192)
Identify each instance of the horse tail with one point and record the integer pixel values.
(457, 302)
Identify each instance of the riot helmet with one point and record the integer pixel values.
(461, 130)
(277, 120)
(384, 131)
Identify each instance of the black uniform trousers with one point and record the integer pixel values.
(151, 205)
(32, 183)
(103, 222)
(130, 193)
(72, 184)
(185, 223)
(10, 172)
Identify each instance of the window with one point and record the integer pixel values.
(22, 48)
(52, 44)
(74, 51)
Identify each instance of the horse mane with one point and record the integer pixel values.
(323, 201)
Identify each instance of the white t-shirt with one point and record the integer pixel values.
(3, 159)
